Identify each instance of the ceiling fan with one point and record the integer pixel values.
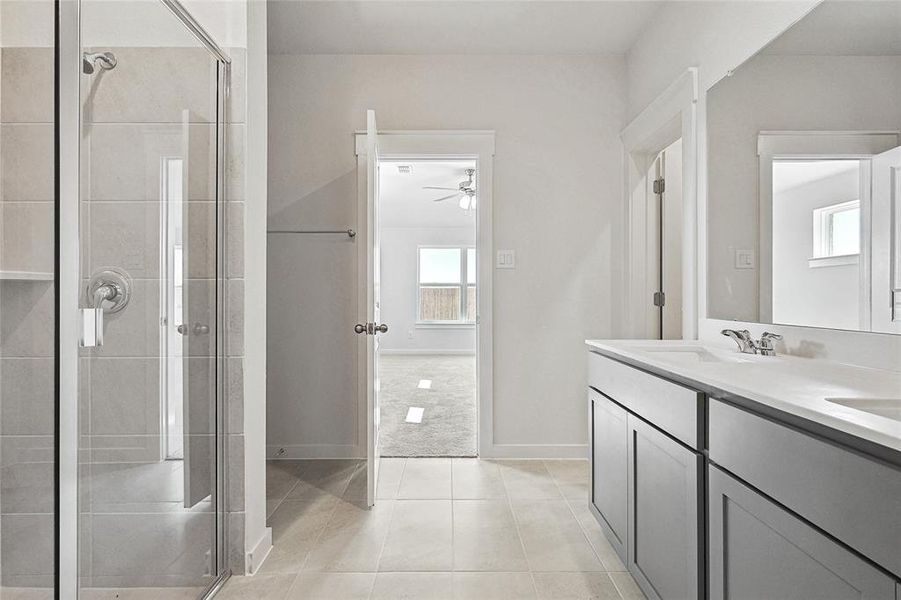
(464, 191)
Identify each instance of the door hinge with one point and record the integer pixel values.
(659, 299)
(659, 186)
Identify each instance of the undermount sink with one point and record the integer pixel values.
(694, 354)
(889, 408)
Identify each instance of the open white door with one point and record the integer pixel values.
(373, 325)
(885, 240)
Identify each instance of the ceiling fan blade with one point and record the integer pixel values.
(432, 187)
(445, 198)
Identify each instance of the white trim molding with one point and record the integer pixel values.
(469, 144)
(671, 116)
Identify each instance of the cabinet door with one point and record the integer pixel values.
(665, 514)
(609, 436)
(760, 550)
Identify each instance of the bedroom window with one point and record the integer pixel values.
(447, 285)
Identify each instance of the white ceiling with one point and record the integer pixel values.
(844, 28)
(403, 202)
(790, 174)
(456, 27)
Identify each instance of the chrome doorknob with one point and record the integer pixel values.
(182, 329)
(381, 328)
(200, 329)
(360, 328)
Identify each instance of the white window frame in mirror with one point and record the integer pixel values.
(813, 145)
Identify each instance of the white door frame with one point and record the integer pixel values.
(671, 116)
(477, 145)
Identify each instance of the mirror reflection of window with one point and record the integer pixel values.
(836, 230)
(816, 242)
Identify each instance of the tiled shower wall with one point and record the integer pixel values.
(26, 317)
(127, 537)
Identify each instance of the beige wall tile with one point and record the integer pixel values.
(126, 235)
(125, 161)
(124, 396)
(26, 162)
(27, 326)
(26, 405)
(155, 85)
(26, 237)
(26, 549)
(27, 487)
(27, 84)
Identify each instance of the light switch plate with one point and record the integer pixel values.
(506, 259)
(745, 259)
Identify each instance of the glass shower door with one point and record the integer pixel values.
(150, 503)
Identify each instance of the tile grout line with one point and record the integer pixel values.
(328, 522)
(378, 563)
(516, 526)
(584, 533)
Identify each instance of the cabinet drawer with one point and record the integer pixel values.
(676, 409)
(759, 550)
(853, 497)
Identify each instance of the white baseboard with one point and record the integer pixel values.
(387, 352)
(302, 451)
(549, 451)
(255, 558)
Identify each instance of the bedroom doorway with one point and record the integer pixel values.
(429, 289)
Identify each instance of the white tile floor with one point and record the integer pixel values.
(447, 529)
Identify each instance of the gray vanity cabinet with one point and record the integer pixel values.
(759, 550)
(665, 514)
(609, 435)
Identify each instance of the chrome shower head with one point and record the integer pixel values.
(90, 60)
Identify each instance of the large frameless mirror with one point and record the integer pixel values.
(804, 204)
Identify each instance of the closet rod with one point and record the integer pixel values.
(347, 232)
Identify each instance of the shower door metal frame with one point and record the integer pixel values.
(68, 130)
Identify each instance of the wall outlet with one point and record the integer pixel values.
(506, 259)
(745, 259)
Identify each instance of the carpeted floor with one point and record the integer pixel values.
(448, 425)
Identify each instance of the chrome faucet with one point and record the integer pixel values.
(743, 338)
(747, 344)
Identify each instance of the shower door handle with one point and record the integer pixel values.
(91, 327)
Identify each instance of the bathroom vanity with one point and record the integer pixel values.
(717, 474)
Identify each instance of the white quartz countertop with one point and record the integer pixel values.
(790, 384)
